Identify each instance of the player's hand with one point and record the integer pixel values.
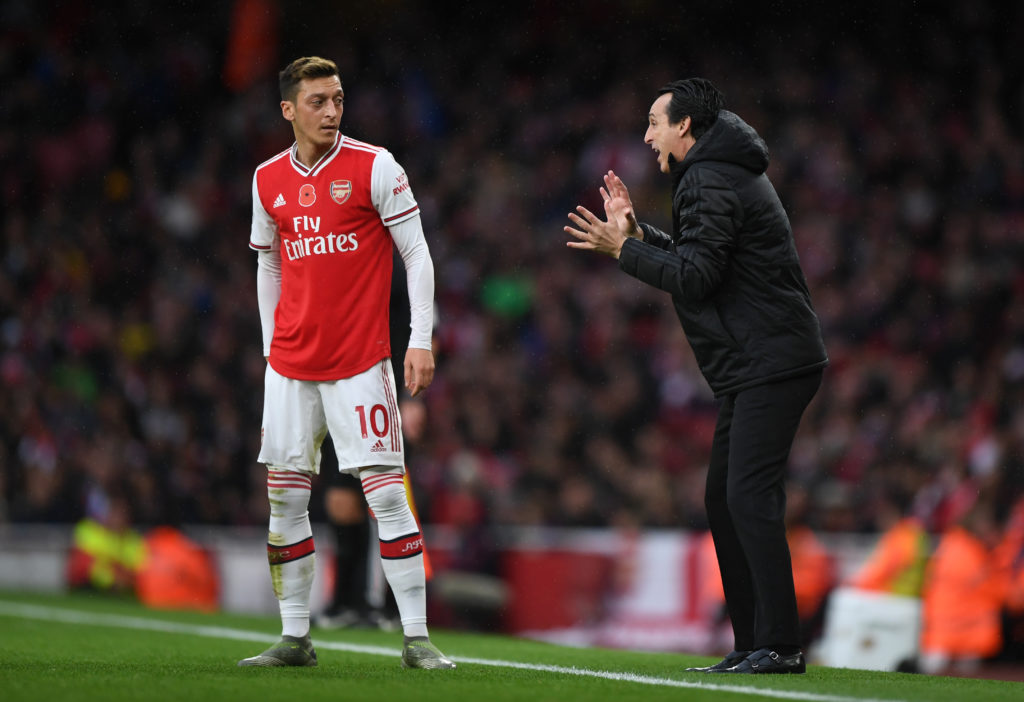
(419, 370)
(618, 206)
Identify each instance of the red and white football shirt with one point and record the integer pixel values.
(330, 224)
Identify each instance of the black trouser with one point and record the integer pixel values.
(746, 504)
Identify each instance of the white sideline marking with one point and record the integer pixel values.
(71, 616)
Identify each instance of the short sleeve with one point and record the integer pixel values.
(390, 190)
(263, 236)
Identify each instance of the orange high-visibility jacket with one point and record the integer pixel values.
(177, 574)
(897, 563)
(813, 569)
(1010, 558)
(963, 598)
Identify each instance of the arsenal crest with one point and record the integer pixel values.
(340, 190)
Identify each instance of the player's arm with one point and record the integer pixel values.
(268, 292)
(419, 268)
(264, 240)
(397, 207)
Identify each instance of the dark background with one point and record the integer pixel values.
(130, 354)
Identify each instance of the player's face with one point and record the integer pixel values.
(316, 113)
(663, 137)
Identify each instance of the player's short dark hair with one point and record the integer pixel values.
(300, 69)
(696, 98)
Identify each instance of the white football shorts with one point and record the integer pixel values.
(361, 414)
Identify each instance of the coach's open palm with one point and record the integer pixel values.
(618, 207)
(607, 237)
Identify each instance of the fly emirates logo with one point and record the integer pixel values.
(311, 243)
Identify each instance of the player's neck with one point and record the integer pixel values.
(309, 152)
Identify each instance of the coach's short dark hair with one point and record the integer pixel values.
(300, 69)
(696, 98)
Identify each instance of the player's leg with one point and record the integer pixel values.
(293, 428)
(383, 607)
(401, 544)
(362, 413)
(401, 552)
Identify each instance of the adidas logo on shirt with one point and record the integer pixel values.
(279, 202)
(378, 447)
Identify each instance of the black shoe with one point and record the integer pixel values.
(729, 661)
(765, 660)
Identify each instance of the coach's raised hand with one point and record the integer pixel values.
(605, 236)
(618, 207)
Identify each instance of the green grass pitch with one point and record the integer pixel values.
(79, 648)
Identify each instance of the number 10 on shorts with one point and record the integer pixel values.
(378, 420)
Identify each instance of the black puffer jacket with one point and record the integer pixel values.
(731, 265)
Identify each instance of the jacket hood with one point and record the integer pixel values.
(729, 140)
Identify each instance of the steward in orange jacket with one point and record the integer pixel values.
(897, 563)
(177, 573)
(964, 592)
(1010, 559)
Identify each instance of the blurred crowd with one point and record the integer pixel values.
(566, 395)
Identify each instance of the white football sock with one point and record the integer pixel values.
(290, 547)
(401, 546)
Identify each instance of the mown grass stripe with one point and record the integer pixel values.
(70, 616)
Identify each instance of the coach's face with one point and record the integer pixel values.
(316, 112)
(666, 138)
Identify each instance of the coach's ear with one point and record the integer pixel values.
(288, 110)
